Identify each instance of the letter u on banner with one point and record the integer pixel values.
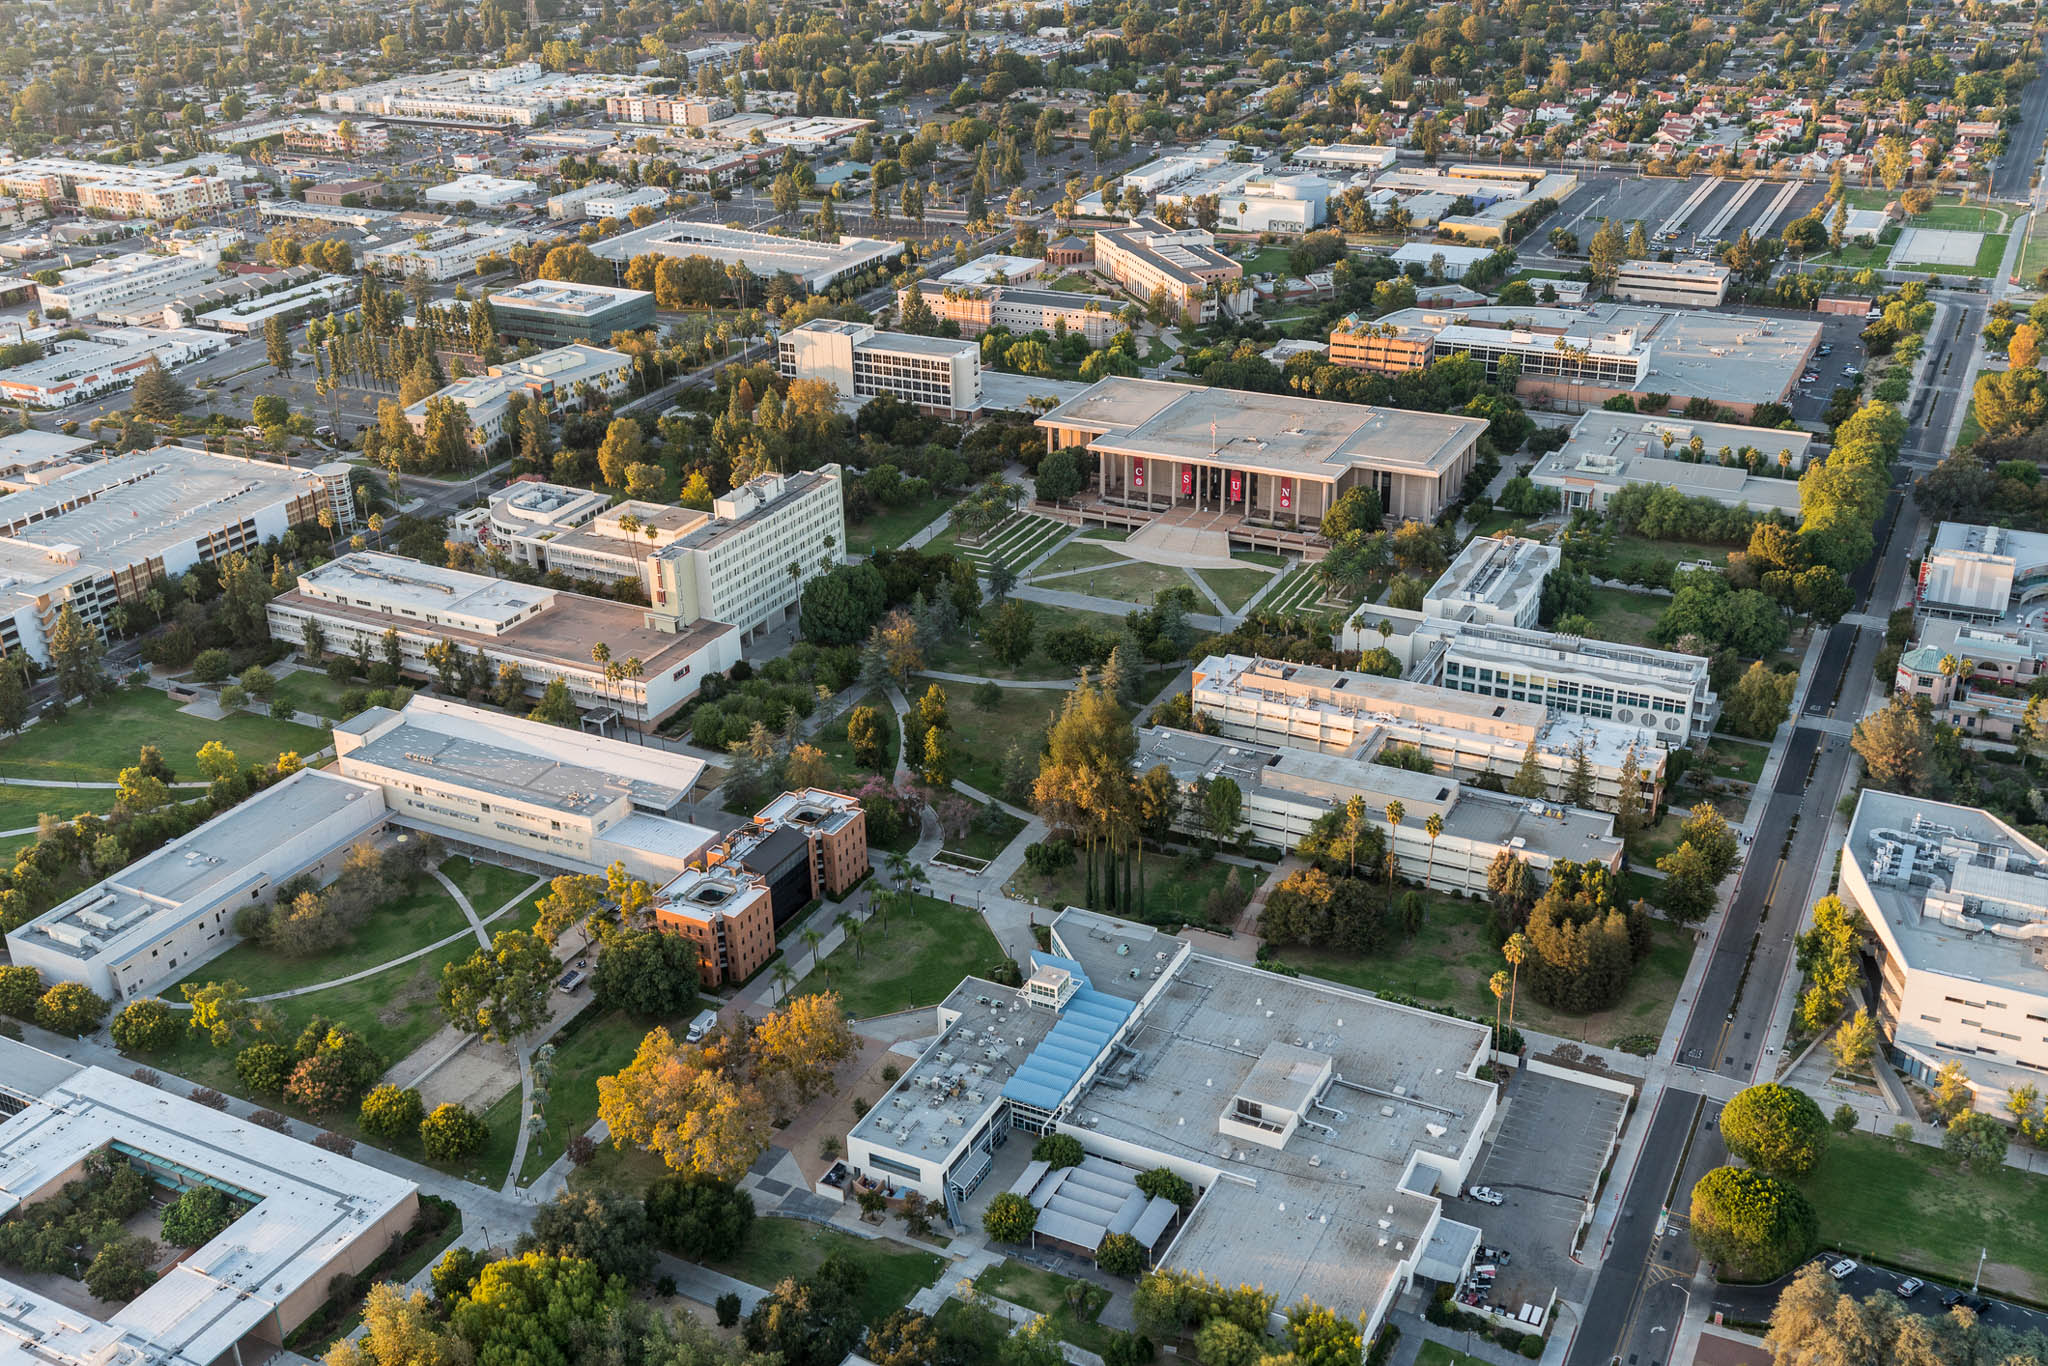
(1286, 493)
(1236, 486)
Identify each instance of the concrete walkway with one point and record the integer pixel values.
(1026, 684)
(1115, 607)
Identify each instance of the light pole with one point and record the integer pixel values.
(1977, 1279)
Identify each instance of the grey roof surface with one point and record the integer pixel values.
(518, 774)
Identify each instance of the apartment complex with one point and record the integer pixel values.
(818, 265)
(937, 374)
(1681, 284)
(1361, 716)
(1276, 459)
(156, 920)
(306, 1218)
(74, 369)
(1658, 690)
(977, 308)
(554, 379)
(83, 291)
(443, 253)
(507, 786)
(683, 111)
(520, 93)
(1117, 1037)
(160, 192)
(1956, 901)
(543, 632)
(1610, 451)
(95, 534)
(1201, 283)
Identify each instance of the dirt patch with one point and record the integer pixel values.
(475, 1077)
(832, 1116)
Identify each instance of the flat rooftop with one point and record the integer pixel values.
(1311, 1219)
(760, 252)
(1549, 647)
(310, 1205)
(1282, 433)
(412, 588)
(1495, 571)
(961, 1074)
(565, 298)
(150, 895)
(521, 776)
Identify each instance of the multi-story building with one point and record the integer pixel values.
(836, 830)
(938, 374)
(1977, 678)
(1276, 459)
(1495, 580)
(1956, 902)
(164, 915)
(1362, 716)
(620, 203)
(74, 369)
(443, 253)
(520, 93)
(977, 308)
(555, 379)
(93, 535)
(1683, 284)
(545, 633)
(747, 564)
(1200, 282)
(569, 203)
(1252, 199)
(684, 111)
(82, 291)
(556, 312)
(505, 785)
(818, 265)
(1981, 573)
(726, 913)
(484, 191)
(305, 1218)
(161, 192)
(1753, 467)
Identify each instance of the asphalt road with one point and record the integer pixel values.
(1754, 1303)
(1934, 407)
(2013, 177)
(1632, 1272)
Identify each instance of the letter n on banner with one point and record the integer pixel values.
(1286, 493)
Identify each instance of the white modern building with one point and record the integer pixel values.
(1981, 573)
(74, 369)
(937, 374)
(817, 265)
(508, 786)
(1684, 284)
(1736, 466)
(748, 563)
(443, 253)
(621, 203)
(1444, 260)
(545, 633)
(568, 204)
(555, 379)
(1957, 904)
(156, 920)
(308, 1217)
(83, 291)
(521, 93)
(1251, 199)
(1344, 156)
(483, 191)
(1495, 580)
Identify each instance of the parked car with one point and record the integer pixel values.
(1909, 1287)
(1487, 1195)
(1841, 1269)
(569, 981)
(1976, 1304)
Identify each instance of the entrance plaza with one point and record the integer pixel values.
(1273, 461)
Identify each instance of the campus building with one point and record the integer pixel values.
(160, 192)
(75, 369)
(1575, 359)
(156, 920)
(1273, 459)
(93, 534)
(507, 786)
(1610, 451)
(545, 633)
(1681, 284)
(554, 379)
(817, 265)
(939, 375)
(443, 253)
(1981, 573)
(520, 93)
(1957, 902)
(1360, 716)
(1321, 1128)
(683, 111)
(480, 191)
(1023, 310)
(727, 913)
(84, 291)
(1495, 580)
(308, 1217)
(1200, 282)
(1250, 198)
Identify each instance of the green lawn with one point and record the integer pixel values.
(1449, 962)
(965, 654)
(93, 744)
(1274, 260)
(992, 834)
(1077, 554)
(1628, 556)
(777, 1248)
(831, 738)
(980, 740)
(487, 885)
(1737, 759)
(592, 1045)
(1300, 593)
(1046, 1292)
(1917, 1208)
(891, 527)
(1132, 581)
(907, 959)
(1176, 886)
(22, 807)
(1261, 557)
(2034, 255)
(313, 693)
(392, 930)
(1990, 254)
(1853, 257)
(1972, 429)
(1235, 586)
(1625, 617)
(1078, 282)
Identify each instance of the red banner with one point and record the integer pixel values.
(1187, 480)
(1137, 474)
(1236, 486)
(1286, 493)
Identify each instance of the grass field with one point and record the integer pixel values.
(1737, 759)
(831, 737)
(1046, 1292)
(1648, 845)
(1270, 260)
(980, 739)
(1990, 254)
(1235, 586)
(1176, 887)
(592, 1045)
(891, 527)
(392, 930)
(1133, 581)
(1625, 617)
(2034, 255)
(1625, 553)
(93, 744)
(905, 960)
(1854, 257)
(487, 885)
(1078, 555)
(1449, 962)
(1971, 429)
(22, 807)
(776, 1248)
(313, 693)
(1916, 1207)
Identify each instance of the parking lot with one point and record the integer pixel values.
(1756, 1301)
(1546, 1157)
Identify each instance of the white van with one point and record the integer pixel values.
(705, 1022)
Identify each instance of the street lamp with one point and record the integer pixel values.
(1977, 1279)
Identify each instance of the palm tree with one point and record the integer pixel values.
(811, 940)
(1354, 830)
(1515, 951)
(1498, 985)
(784, 980)
(849, 928)
(1395, 813)
(1433, 827)
(601, 655)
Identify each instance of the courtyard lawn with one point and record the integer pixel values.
(487, 885)
(906, 959)
(1046, 1292)
(777, 1248)
(1078, 282)
(1133, 581)
(411, 922)
(1270, 260)
(831, 737)
(1077, 554)
(1436, 1354)
(1268, 558)
(1628, 556)
(22, 807)
(979, 739)
(1625, 617)
(93, 744)
(590, 1046)
(1916, 1207)
(1737, 759)
(992, 834)
(1177, 886)
(313, 693)
(1235, 586)
(1449, 962)
(488, 1166)
(1653, 842)
(889, 528)
(965, 654)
